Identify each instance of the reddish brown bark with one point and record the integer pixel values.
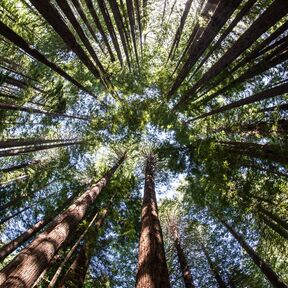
(25, 269)
(152, 266)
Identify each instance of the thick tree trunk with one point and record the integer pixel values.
(99, 223)
(277, 10)
(21, 43)
(214, 268)
(25, 269)
(272, 277)
(152, 266)
(185, 270)
(269, 93)
(11, 246)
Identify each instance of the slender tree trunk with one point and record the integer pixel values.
(254, 150)
(185, 270)
(25, 269)
(21, 43)
(222, 13)
(272, 277)
(51, 15)
(20, 166)
(281, 107)
(214, 268)
(5, 106)
(152, 266)
(272, 92)
(274, 217)
(275, 227)
(19, 151)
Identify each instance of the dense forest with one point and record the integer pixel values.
(143, 143)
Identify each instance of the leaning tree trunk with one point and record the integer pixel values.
(186, 274)
(214, 268)
(25, 269)
(20, 166)
(152, 267)
(99, 223)
(272, 277)
(21, 43)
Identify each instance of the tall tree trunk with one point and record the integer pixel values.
(51, 15)
(9, 34)
(20, 166)
(5, 106)
(277, 10)
(281, 107)
(275, 227)
(214, 268)
(185, 270)
(99, 223)
(152, 266)
(19, 151)
(272, 277)
(266, 94)
(274, 217)
(222, 13)
(269, 152)
(11, 246)
(25, 269)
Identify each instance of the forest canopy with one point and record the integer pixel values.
(144, 143)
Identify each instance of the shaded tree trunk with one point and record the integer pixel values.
(272, 92)
(21, 43)
(5, 106)
(152, 267)
(214, 268)
(271, 276)
(276, 228)
(25, 269)
(185, 270)
(272, 15)
(20, 166)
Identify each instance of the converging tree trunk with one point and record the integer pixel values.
(185, 270)
(152, 267)
(272, 277)
(25, 269)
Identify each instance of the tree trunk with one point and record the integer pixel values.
(274, 217)
(21, 43)
(276, 228)
(263, 266)
(25, 269)
(214, 268)
(8, 248)
(5, 106)
(99, 223)
(277, 10)
(51, 15)
(20, 166)
(19, 151)
(281, 107)
(269, 93)
(222, 13)
(254, 150)
(152, 266)
(185, 270)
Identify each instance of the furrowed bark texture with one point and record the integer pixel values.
(25, 269)
(152, 266)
